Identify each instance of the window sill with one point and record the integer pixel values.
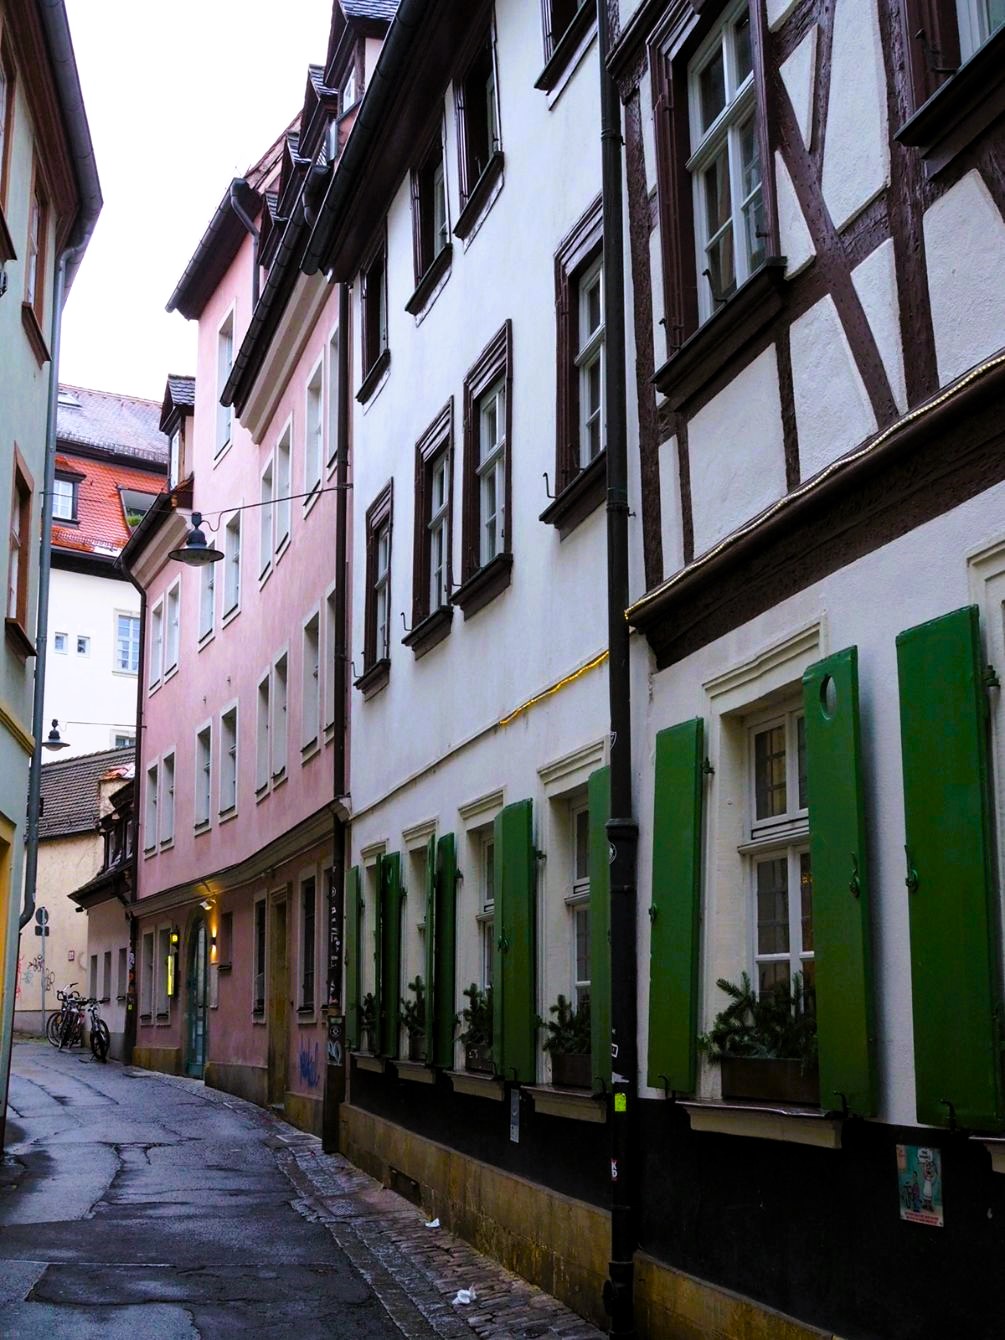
(18, 640)
(104, 1000)
(374, 679)
(415, 1072)
(281, 548)
(565, 53)
(705, 353)
(792, 1125)
(261, 793)
(477, 1086)
(364, 1061)
(163, 1016)
(119, 999)
(430, 631)
(226, 815)
(278, 778)
(258, 1016)
(310, 502)
(579, 498)
(265, 574)
(34, 332)
(148, 852)
(484, 585)
(221, 451)
(480, 198)
(428, 285)
(309, 750)
(167, 843)
(995, 1148)
(224, 967)
(152, 688)
(145, 1018)
(7, 252)
(230, 616)
(206, 639)
(170, 673)
(369, 383)
(306, 1014)
(201, 828)
(961, 110)
(574, 1104)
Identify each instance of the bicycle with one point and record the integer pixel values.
(55, 1021)
(68, 1025)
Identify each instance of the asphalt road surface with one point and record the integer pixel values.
(131, 1206)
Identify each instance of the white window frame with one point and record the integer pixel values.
(166, 807)
(60, 486)
(229, 774)
(224, 363)
(347, 93)
(973, 17)
(310, 694)
(151, 826)
(589, 352)
(147, 962)
(279, 701)
(132, 643)
(382, 591)
(259, 1014)
(85, 639)
(491, 471)
(156, 645)
(740, 107)
(577, 899)
(267, 495)
(438, 526)
(207, 602)
(263, 733)
(174, 458)
(314, 432)
(331, 399)
(328, 658)
(202, 814)
(307, 1008)
(172, 628)
(485, 916)
(63, 650)
(232, 567)
(283, 481)
(162, 950)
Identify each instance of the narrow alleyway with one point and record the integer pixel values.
(142, 1206)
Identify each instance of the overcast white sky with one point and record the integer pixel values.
(181, 97)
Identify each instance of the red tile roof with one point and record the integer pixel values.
(102, 526)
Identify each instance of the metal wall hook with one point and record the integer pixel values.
(547, 485)
(404, 624)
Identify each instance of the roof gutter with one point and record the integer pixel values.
(385, 84)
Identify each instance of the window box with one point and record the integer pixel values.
(415, 1072)
(369, 383)
(710, 349)
(34, 332)
(571, 1104)
(484, 585)
(578, 499)
(572, 1070)
(770, 1079)
(364, 1061)
(430, 632)
(437, 268)
(374, 679)
(961, 109)
(478, 1059)
(477, 1086)
(479, 197)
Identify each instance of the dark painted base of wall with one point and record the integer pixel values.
(165, 1059)
(250, 1082)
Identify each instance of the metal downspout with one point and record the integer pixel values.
(622, 828)
(249, 227)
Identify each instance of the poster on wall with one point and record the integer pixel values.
(919, 1175)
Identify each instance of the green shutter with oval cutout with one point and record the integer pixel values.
(352, 958)
(839, 866)
(444, 971)
(599, 789)
(675, 907)
(949, 872)
(389, 1000)
(514, 1006)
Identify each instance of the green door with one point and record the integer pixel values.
(196, 1010)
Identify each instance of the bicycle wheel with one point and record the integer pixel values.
(52, 1027)
(100, 1040)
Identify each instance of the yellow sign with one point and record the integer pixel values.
(621, 1102)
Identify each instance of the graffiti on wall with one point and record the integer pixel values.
(307, 1062)
(30, 973)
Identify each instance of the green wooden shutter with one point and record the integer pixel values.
(954, 981)
(440, 1051)
(431, 983)
(838, 859)
(676, 905)
(514, 1012)
(378, 952)
(353, 958)
(389, 1005)
(600, 927)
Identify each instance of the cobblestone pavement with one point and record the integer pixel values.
(142, 1205)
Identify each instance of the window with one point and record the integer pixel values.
(225, 944)
(558, 16)
(123, 973)
(83, 645)
(207, 599)
(203, 775)
(310, 697)
(106, 976)
(433, 520)
(348, 98)
(163, 954)
(486, 902)
(430, 229)
(224, 362)
(377, 630)
(486, 460)
(978, 19)
(279, 705)
(314, 434)
(232, 570)
(19, 553)
(265, 522)
(228, 761)
(150, 810)
(308, 915)
(578, 900)
(174, 458)
(92, 979)
(262, 754)
(589, 362)
(156, 642)
(60, 643)
(331, 644)
(34, 270)
(127, 643)
(778, 852)
(373, 310)
(147, 975)
(64, 498)
(120, 741)
(284, 478)
(258, 984)
(172, 620)
(6, 117)
(334, 384)
(725, 162)
(477, 105)
(166, 834)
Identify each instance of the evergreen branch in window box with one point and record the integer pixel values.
(368, 1022)
(413, 1016)
(476, 1035)
(766, 1045)
(568, 1043)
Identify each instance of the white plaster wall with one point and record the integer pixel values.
(920, 576)
(964, 245)
(778, 11)
(798, 73)
(108, 929)
(833, 413)
(736, 452)
(793, 234)
(670, 510)
(92, 699)
(875, 281)
(857, 146)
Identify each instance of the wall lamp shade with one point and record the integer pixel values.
(196, 550)
(54, 740)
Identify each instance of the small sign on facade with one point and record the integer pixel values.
(919, 1174)
(514, 1116)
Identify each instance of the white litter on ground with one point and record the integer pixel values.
(465, 1296)
(433, 1223)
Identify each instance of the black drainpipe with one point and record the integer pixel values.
(622, 828)
(251, 230)
(338, 1060)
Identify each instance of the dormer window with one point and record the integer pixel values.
(64, 498)
(348, 91)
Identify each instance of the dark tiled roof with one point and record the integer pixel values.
(70, 790)
(370, 9)
(124, 425)
(182, 389)
(102, 527)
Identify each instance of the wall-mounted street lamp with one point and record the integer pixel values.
(196, 550)
(53, 740)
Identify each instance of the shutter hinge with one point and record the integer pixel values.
(991, 680)
(541, 855)
(653, 912)
(707, 768)
(854, 884)
(912, 880)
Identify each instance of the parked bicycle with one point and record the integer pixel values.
(66, 1026)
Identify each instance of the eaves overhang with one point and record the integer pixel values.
(217, 248)
(163, 528)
